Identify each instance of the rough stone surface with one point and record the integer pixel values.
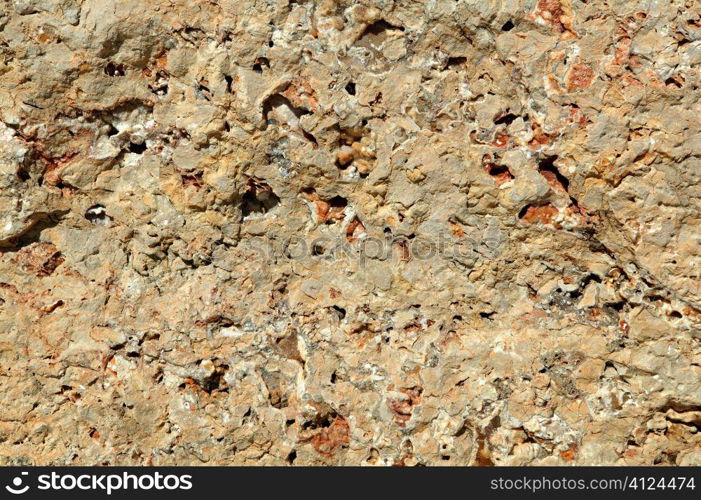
(336, 232)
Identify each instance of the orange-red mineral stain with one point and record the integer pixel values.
(580, 76)
(551, 12)
(301, 95)
(543, 214)
(354, 230)
(337, 434)
(500, 173)
(402, 408)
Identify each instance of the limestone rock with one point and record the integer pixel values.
(337, 232)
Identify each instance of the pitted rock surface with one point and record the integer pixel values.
(340, 232)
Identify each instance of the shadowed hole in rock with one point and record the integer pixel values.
(192, 179)
(97, 215)
(113, 69)
(376, 33)
(137, 148)
(505, 119)
(675, 81)
(547, 169)
(259, 198)
(339, 311)
(318, 250)
(455, 62)
(23, 175)
(378, 28)
(204, 92)
(500, 173)
(320, 420)
(215, 381)
(310, 138)
(538, 213)
(160, 85)
(337, 205)
(261, 62)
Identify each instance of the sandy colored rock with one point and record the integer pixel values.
(350, 233)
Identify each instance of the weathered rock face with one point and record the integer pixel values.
(335, 232)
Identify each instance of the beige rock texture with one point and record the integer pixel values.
(334, 232)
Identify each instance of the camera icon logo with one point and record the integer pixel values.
(17, 483)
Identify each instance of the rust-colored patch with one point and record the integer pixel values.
(552, 179)
(540, 138)
(690, 311)
(501, 140)
(623, 327)
(326, 210)
(331, 210)
(301, 95)
(500, 173)
(570, 453)
(580, 76)
(40, 259)
(543, 214)
(576, 116)
(190, 383)
(328, 439)
(622, 51)
(456, 229)
(484, 454)
(354, 230)
(52, 167)
(552, 12)
(594, 313)
(412, 327)
(402, 408)
(162, 60)
(345, 155)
